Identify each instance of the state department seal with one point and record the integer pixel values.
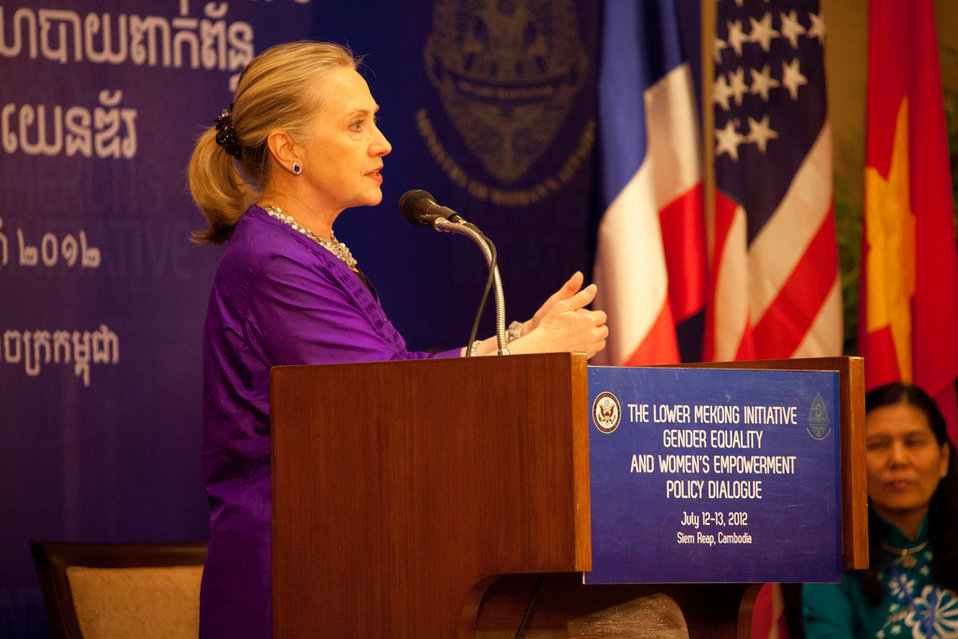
(818, 425)
(606, 412)
(506, 72)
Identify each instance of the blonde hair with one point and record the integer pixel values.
(275, 91)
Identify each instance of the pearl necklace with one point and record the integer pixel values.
(333, 245)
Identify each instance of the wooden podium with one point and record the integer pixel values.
(403, 491)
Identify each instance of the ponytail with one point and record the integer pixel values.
(218, 189)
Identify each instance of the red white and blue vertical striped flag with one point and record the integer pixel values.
(774, 279)
(650, 264)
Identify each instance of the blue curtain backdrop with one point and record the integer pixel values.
(488, 105)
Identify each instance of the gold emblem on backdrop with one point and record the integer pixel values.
(507, 72)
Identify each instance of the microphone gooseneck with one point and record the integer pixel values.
(420, 208)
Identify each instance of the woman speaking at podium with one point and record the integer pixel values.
(909, 589)
(298, 146)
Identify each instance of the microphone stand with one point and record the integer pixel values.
(470, 231)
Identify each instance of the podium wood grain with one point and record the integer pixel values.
(402, 489)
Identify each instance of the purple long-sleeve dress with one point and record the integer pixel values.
(278, 298)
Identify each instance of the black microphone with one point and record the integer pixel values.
(419, 207)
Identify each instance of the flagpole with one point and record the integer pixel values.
(708, 13)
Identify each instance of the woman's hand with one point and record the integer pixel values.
(570, 288)
(563, 323)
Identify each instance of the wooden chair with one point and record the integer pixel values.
(120, 590)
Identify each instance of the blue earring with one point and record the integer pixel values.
(297, 169)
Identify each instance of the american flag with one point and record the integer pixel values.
(774, 279)
(775, 284)
(650, 261)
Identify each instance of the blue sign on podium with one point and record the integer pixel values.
(714, 475)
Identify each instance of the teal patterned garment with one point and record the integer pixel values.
(912, 606)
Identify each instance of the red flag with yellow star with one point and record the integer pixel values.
(908, 295)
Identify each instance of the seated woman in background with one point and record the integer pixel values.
(909, 589)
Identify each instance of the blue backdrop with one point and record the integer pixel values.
(488, 105)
